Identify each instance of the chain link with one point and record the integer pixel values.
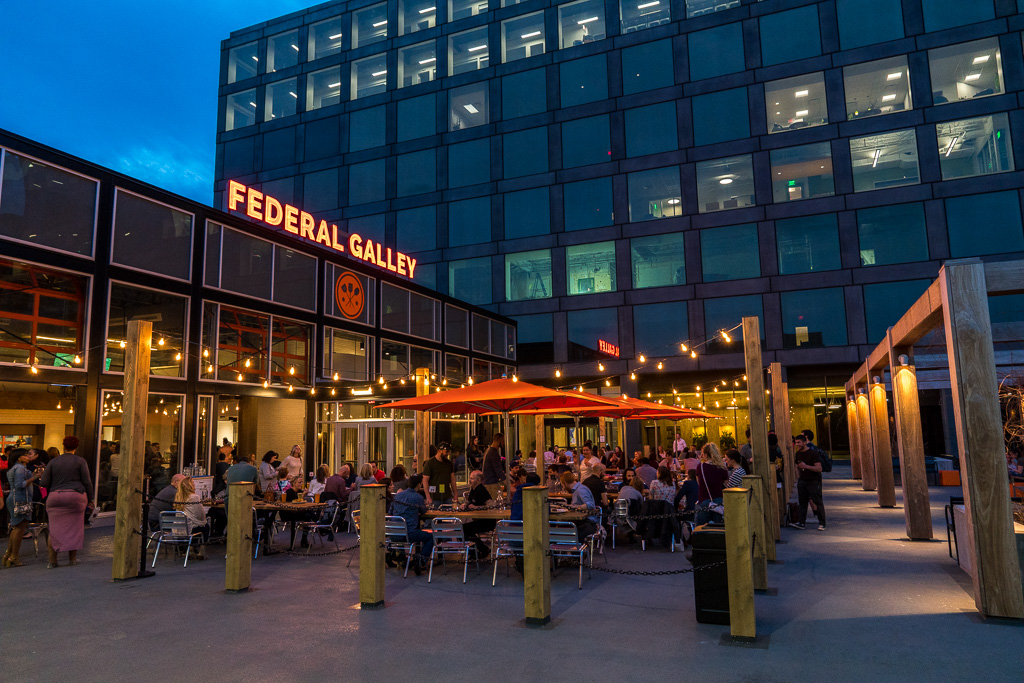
(637, 572)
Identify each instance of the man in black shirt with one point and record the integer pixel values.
(595, 483)
(494, 470)
(479, 497)
(808, 485)
(439, 477)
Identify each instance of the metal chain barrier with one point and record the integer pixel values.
(638, 572)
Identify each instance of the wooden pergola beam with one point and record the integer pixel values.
(910, 445)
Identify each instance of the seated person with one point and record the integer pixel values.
(663, 488)
(163, 501)
(407, 504)
(595, 482)
(687, 494)
(319, 483)
(188, 501)
(518, 481)
(563, 464)
(479, 498)
(581, 497)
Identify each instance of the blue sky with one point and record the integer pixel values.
(128, 84)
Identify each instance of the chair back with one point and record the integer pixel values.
(355, 519)
(395, 530)
(174, 523)
(447, 530)
(621, 508)
(329, 516)
(562, 533)
(509, 531)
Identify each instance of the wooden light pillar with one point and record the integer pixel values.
(851, 425)
(757, 531)
(742, 624)
(783, 426)
(979, 434)
(371, 546)
(758, 427)
(526, 435)
(786, 442)
(910, 444)
(867, 454)
(133, 442)
(881, 445)
(238, 536)
(536, 566)
(422, 420)
(538, 438)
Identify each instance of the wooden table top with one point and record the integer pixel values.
(495, 514)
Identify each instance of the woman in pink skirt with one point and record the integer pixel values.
(68, 481)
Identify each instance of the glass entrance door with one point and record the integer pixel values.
(363, 441)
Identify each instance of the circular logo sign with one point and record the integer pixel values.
(349, 295)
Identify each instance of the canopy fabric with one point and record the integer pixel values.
(623, 407)
(497, 396)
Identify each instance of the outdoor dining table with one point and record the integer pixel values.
(562, 494)
(277, 506)
(496, 514)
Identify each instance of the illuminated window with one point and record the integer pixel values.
(416, 15)
(468, 51)
(240, 110)
(369, 76)
(974, 147)
(417, 64)
(325, 38)
(370, 25)
(166, 311)
(581, 22)
(795, 103)
(724, 184)
(877, 88)
(966, 71)
(884, 160)
(654, 194)
(323, 88)
(802, 173)
(348, 354)
(468, 106)
(243, 62)
(590, 268)
(44, 313)
(522, 37)
(282, 51)
(528, 275)
(461, 9)
(282, 100)
(637, 15)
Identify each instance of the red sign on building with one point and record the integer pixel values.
(606, 347)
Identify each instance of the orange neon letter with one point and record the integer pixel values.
(236, 194)
(254, 207)
(291, 215)
(272, 212)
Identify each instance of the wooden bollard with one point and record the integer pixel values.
(760, 540)
(238, 569)
(371, 546)
(536, 567)
(742, 625)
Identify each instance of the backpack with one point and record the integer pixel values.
(825, 459)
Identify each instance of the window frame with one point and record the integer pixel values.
(113, 235)
(185, 335)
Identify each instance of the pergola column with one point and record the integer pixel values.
(851, 425)
(867, 453)
(759, 426)
(910, 444)
(881, 444)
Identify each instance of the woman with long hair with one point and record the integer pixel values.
(365, 476)
(737, 465)
(711, 479)
(268, 473)
(188, 501)
(663, 488)
(68, 484)
(19, 502)
(319, 482)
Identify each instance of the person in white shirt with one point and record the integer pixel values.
(679, 445)
(294, 464)
(318, 483)
(188, 501)
(549, 457)
(587, 462)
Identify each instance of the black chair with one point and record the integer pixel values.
(951, 525)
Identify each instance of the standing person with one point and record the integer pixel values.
(473, 453)
(68, 483)
(747, 449)
(711, 478)
(294, 464)
(268, 473)
(587, 462)
(241, 471)
(439, 477)
(219, 470)
(679, 446)
(808, 484)
(494, 471)
(19, 502)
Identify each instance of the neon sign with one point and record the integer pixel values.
(607, 347)
(272, 212)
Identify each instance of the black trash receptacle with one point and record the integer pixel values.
(710, 586)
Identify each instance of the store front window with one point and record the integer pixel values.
(44, 314)
(167, 312)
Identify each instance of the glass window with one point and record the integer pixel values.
(366, 128)
(589, 327)
(892, 234)
(417, 173)
(468, 106)
(696, 8)
(647, 67)
(323, 88)
(350, 295)
(325, 38)
(637, 15)
(942, 14)
(416, 15)
(240, 110)
(1006, 308)
(246, 264)
(424, 317)
(651, 129)
(658, 260)
(525, 152)
(417, 64)
(590, 268)
(884, 160)
(885, 304)
(416, 229)
(965, 71)
(282, 100)
(166, 311)
(877, 88)
(243, 338)
(152, 237)
(482, 337)
(522, 37)
(658, 329)
(999, 212)
(242, 62)
(527, 213)
(370, 76)
(588, 204)
(716, 51)
(470, 280)
(794, 103)
(45, 314)
(583, 80)
(524, 93)
(813, 318)
(366, 182)
(535, 338)
(974, 147)
(456, 326)
(724, 184)
(294, 278)
(468, 51)
(369, 25)
(47, 206)
(347, 354)
(461, 9)
(720, 116)
(370, 227)
(730, 253)
(654, 194)
(417, 117)
(469, 222)
(394, 308)
(789, 36)
(282, 51)
(586, 141)
(867, 22)
(807, 244)
(528, 275)
(456, 367)
(725, 314)
(394, 359)
(469, 163)
(802, 173)
(581, 22)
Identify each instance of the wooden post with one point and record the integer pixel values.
(536, 567)
(851, 425)
(758, 426)
(238, 570)
(780, 418)
(422, 420)
(879, 411)
(526, 435)
(867, 455)
(133, 442)
(371, 545)
(538, 437)
(910, 445)
(757, 532)
(787, 448)
(742, 624)
(979, 434)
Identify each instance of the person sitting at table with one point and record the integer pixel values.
(735, 461)
(563, 464)
(478, 498)
(668, 460)
(336, 488)
(399, 478)
(282, 486)
(518, 482)
(613, 461)
(691, 460)
(663, 487)
(646, 472)
(365, 476)
(268, 473)
(554, 484)
(687, 494)
(163, 501)
(319, 482)
(637, 457)
(188, 501)
(595, 482)
(408, 504)
(581, 496)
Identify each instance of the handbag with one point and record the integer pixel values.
(23, 509)
(712, 506)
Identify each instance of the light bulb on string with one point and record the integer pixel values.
(312, 391)
(607, 382)
(177, 356)
(291, 370)
(402, 380)
(335, 377)
(240, 377)
(380, 379)
(558, 373)
(660, 365)
(514, 378)
(632, 375)
(725, 336)
(444, 381)
(693, 354)
(78, 359)
(34, 369)
(683, 347)
(470, 380)
(206, 353)
(744, 378)
(123, 343)
(266, 384)
(643, 359)
(698, 387)
(209, 368)
(160, 342)
(600, 367)
(333, 392)
(290, 388)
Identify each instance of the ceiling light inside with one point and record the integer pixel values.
(531, 34)
(802, 93)
(894, 76)
(379, 73)
(888, 98)
(973, 77)
(645, 5)
(470, 108)
(477, 47)
(725, 181)
(427, 10)
(587, 20)
(802, 112)
(673, 201)
(980, 60)
(334, 37)
(380, 23)
(428, 61)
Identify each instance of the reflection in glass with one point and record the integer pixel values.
(417, 117)
(794, 103)
(469, 280)
(884, 160)
(524, 93)
(469, 222)
(528, 275)
(468, 51)
(659, 328)
(651, 129)
(583, 80)
(460, 9)
(588, 328)
(725, 314)
(654, 194)
(586, 141)
(802, 173)
(525, 152)
(417, 64)
(527, 213)
(481, 338)
(167, 313)
(730, 253)
(417, 173)
(281, 100)
(808, 243)
(522, 37)
(590, 268)
(468, 106)
(240, 110)
(813, 318)
(696, 8)
(640, 14)
(394, 359)
(394, 308)
(151, 236)
(369, 76)
(282, 51)
(966, 71)
(581, 22)
(724, 184)
(323, 88)
(242, 342)
(369, 25)
(886, 302)
(588, 204)
(892, 234)
(658, 260)
(456, 326)
(242, 62)
(469, 163)
(877, 88)
(974, 147)
(416, 15)
(536, 337)
(325, 38)
(647, 66)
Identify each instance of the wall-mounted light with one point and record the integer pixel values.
(904, 360)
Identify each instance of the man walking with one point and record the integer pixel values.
(808, 485)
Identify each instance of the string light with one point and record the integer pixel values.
(693, 354)
(291, 370)
(206, 353)
(123, 343)
(514, 378)
(558, 373)
(78, 359)
(160, 342)
(723, 382)
(239, 377)
(402, 380)
(209, 368)
(643, 359)
(632, 375)
(333, 391)
(177, 356)
(290, 388)
(247, 363)
(312, 391)
(600, 367)
(35, 370)
(470, 380)
(266, 384)
(335, 377)
(660, 365)
(607, 382)
(444, 381)
(380, 380)
(683, 347)
(725, 336)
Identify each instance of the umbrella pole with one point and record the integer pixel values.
(508, 474)
(576, 446)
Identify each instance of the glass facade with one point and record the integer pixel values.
(965, 71)
(590, 268)
(877, 88)
(725, 184)
(528, 275)
(973, 147)
(730, 253)
(802, 173)
(885, 160)
(658, 261)
(795, 103)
